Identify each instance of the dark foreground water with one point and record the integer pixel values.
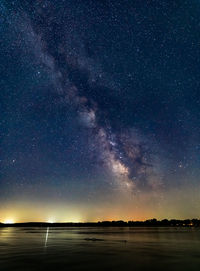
(99, 249)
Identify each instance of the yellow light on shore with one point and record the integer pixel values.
(50, 221)
(9, 221)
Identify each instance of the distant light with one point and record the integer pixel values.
(50, 221)
(9, 221)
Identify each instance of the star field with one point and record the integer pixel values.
(100, 109)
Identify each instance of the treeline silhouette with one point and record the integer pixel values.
(120, 223)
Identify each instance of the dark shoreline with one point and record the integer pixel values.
(147, 223)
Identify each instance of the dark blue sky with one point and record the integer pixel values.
(100, 104)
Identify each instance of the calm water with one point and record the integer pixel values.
(99, 249)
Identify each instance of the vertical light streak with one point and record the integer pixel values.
(46, 238)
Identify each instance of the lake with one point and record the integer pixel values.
(96, 248)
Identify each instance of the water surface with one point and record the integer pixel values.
(113, 248)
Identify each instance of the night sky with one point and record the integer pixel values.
(100, 110)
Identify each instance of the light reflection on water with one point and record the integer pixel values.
(99, 248)
(46, 238)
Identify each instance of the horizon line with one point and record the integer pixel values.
(152, 221)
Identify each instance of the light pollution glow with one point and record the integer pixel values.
(174, 204)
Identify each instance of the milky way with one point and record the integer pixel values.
(77, 81)
(100, 98)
